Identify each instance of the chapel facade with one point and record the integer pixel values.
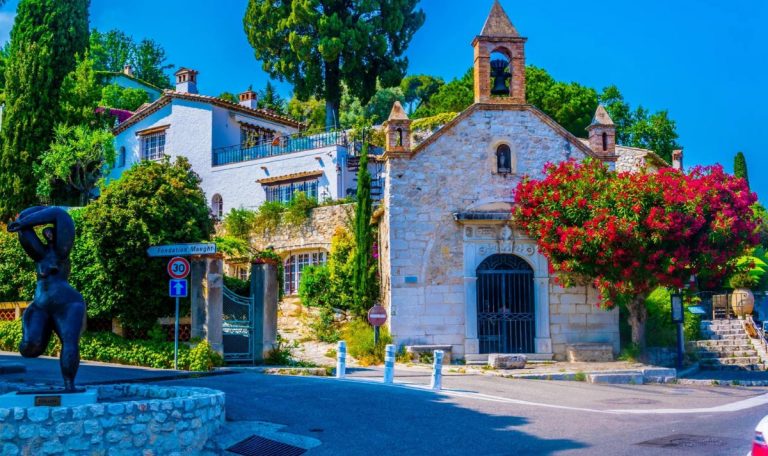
(455, 270)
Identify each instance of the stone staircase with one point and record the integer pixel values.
(726, 346)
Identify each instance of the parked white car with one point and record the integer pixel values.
(759, 445)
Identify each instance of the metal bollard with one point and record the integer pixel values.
(437, 371)
(341, 360)
(389, 363)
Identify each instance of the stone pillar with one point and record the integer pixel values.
(471, 342)
(207, 299)
(264, 290)
(543, 339)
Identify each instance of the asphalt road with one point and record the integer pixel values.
(473, 415)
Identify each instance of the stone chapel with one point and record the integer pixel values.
(455, 271)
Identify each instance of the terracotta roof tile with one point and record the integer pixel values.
(498, 23)
(290, 177)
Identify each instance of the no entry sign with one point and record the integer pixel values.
(178, 267)
(377, 315)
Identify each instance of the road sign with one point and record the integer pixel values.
(377, 315)
(172, 250)
(178, 268)
(177, 288)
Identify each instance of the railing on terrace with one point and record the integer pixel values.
(278, 146)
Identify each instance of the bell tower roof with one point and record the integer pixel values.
(397, 113)
(601, 118)
(498, 24)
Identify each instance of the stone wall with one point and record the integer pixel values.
(151, 420)
(634, 160)
(315, 233)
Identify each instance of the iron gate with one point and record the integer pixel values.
(505, 309)
(237, 327)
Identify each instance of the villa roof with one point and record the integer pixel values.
(168, 95)
(290, 177)
(133, 78)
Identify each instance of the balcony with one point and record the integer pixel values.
(278, 146)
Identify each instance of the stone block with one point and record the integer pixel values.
(625, 378)
(589, 352)
(416, 351)
(507, 360)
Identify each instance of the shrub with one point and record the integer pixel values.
(239, 223)
(17, 270)
(268, 217)
(237, 286)
(298, 210)
(315, 286)
(203, 358)
(111, 348)
(660, 329)
(152, 203)
(324, 327)
(359, 337)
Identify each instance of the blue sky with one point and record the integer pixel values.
(704, 60)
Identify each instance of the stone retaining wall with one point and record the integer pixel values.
(152, 420)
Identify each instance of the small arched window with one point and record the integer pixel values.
(121, 157)
(503, 159)
(605, 141)
(217, 206)
(399, 137)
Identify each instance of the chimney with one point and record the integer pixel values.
(602, 133)
(677, 159)
(186, 80)
(249, 99)
(127, 70)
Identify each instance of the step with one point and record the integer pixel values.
(724, 332)
(720, 367)
(720, 343)
(728, 337)
(720, 324)
(705, 354)
(734, 361)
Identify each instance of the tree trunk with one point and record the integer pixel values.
(332, 94)
(638, 314)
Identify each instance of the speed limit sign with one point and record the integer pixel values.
(178, 267)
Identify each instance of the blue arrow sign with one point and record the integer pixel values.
(177, 288)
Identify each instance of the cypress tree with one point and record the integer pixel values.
(740, 167)
(364, 269)
(45, 37)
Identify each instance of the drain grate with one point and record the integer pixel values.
(259, 446)
(685, 441)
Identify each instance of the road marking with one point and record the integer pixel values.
(725, 408)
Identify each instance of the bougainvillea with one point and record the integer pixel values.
(628, 233)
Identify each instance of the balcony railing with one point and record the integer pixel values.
(278, 146)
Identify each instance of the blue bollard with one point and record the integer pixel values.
(437, 371)
(389, 364)
(341, 360)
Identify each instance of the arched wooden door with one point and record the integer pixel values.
(505, 308)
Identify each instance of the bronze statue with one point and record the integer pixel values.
(57, 307)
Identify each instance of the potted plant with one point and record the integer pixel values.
(742, 299)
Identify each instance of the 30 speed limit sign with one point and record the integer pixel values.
(178, 267)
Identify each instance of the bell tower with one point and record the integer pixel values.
(499, 60)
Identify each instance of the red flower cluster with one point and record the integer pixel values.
(632, 232)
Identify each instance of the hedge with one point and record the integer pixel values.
(110, 348)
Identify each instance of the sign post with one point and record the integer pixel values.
(678, 315)
(377, 316)
(178, 269)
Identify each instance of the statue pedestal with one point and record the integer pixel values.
(43, 398)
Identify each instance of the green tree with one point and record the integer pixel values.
(270, 99)
(569, 104)
(152, 203)
(46, 36)
(78, 157)
(318, 45)
(17, 270)
(229, 96)
(80, 94)
(378, 108)
(310, 112)
(114, 49)
(454, 96)
(4, 52)
(114, 96)
(111, 50)
(418, 90)
(366, 290)
(149, 64)
(740, 167)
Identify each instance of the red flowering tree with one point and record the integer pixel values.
(629, 233)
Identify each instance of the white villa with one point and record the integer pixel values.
(244, 155)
